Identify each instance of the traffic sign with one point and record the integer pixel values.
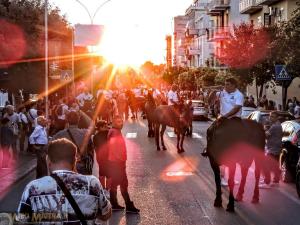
(281, 73)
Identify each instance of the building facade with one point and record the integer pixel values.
(268, 13)
(179, 59)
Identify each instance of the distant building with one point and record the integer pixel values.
(179, 59)
(169, 51)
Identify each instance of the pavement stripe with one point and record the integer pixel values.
(171, 134)
(196, 135)
(131, 135)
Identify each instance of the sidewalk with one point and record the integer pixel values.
(18, 169)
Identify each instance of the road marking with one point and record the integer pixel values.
(178, 173)
(196, 135)
(171, 134)
(131, 135)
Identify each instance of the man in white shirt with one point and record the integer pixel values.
(231, 100)
(39, 139)
(85, 96)
(172, 96)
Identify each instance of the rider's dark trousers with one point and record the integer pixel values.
(271, 166)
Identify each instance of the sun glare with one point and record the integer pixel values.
(120, 45)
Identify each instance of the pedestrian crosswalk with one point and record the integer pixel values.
(131, 135)
(171, 134)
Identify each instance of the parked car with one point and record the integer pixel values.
(290, 152)
(246, 111)
(262, 116)
(200, 110)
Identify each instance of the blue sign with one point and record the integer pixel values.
(281, 73)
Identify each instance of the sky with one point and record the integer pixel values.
(135, 30)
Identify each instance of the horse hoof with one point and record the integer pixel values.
(158, 149)
(164, 148)
(218, 204)
(230, 208)
(255, 200)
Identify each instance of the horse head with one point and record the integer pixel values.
(184, 115)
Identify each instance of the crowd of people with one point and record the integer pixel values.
(76, 125)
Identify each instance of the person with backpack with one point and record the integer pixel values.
(70, 198)
(101, 150)
(82, 139)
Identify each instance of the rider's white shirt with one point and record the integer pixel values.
(229, 100)
(84, 97)
(156, 93)
(172, 95)
(137, 92)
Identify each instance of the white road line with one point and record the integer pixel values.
(196, 135)
(171, 134)
(131, 135)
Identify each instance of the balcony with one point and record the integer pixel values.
(266, 2)
(217, 6)
(249, 6)
(190, 32)
(190, 51)
(218, 34)
(196, 6)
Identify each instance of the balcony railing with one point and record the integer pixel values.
(249, 6)
(218, 6)
(197, 6)
(190, 51)
(265, 2)
(218, 33)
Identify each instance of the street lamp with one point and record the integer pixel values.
(92, 17)
(46, 60)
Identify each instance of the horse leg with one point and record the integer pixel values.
(216, 169)
(244, 173)
(163, 128)
(156, 132)
(149, 128)
(255, 198)
(181, 142)
(230, 205)
(178, 140)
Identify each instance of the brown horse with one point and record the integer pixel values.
(231, 141)
(172, 116)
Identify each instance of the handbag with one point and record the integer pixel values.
(86, 158)
(70, 198)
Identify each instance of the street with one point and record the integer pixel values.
(179, 189)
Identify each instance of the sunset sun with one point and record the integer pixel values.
(120, 45)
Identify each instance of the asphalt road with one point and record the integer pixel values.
(179, 189)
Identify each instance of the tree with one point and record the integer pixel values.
(27, 16)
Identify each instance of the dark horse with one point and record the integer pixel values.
(104, 108)
(150, 106)
(135, 103)
(231, 141)
(172, 116)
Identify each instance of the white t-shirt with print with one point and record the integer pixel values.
(229, 100)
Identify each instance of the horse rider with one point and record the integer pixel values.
(173, 98)
(231, 102)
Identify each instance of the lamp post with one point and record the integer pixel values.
(91, 17)
(46, 61)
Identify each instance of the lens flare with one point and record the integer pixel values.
(12, 43)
